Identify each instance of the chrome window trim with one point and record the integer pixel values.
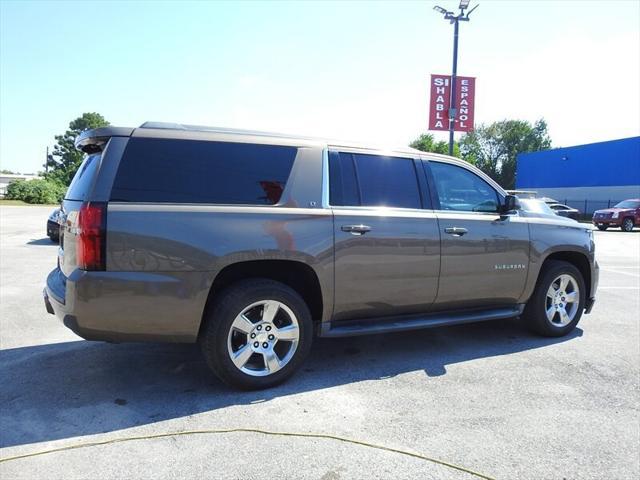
(380, 208)
(325, 178)
(469, 212)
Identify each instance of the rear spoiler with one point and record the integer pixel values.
(92, 141)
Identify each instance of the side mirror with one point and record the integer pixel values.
(510, 203)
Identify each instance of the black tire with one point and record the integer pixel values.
(602, 227)
(219, 318)
(535, 311)
(627, 224)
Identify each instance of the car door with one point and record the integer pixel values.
(387, 246)
(484, 255)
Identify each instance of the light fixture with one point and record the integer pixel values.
(455, 21)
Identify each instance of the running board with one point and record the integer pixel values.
(348, 328)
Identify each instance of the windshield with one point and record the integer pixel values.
(535, 206)
(628, 204)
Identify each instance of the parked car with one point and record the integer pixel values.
(565, 210)
(251, 244)
(535, 207)
(53, 226)
(625, 215)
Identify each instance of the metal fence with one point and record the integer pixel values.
(586, 206)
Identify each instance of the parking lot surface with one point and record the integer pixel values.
(489, 397)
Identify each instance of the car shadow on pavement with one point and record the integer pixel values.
(64, 390)
(43, 241)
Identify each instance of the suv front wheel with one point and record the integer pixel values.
(557, 303)
(257, 334)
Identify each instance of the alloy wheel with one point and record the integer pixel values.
(263, 338)
(563, 300)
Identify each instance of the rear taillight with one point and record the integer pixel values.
(91, 238)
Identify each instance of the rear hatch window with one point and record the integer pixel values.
(81, 184)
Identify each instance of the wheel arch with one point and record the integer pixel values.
(578, 260)
(295, 274)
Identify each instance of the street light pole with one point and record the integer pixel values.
(455, 19)
(452, 98)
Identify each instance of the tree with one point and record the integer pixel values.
(493, 148)
(65, 160)
(426, 143)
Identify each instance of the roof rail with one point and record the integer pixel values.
(202, 128)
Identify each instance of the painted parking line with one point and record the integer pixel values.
(622, 267)
(620, 272)
(618, 288)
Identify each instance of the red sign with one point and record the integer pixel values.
(464, 103)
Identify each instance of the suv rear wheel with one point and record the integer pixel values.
(257, 334)
(557, 303)
(627, 224)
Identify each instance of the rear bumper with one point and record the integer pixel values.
(129, 306)
(55, 302)
(53, 229)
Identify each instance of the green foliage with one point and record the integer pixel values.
(65, 160)
(36, 191)
(8, 172)
(426, 143)
(493, 148)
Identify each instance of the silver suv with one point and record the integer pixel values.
(252, 243)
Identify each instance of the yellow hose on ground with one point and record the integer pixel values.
(250, 430)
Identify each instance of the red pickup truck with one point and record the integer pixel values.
(625, 215)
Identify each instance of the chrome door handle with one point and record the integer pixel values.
(455, 231)
(356, 229)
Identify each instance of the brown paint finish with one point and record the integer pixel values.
(370, 262)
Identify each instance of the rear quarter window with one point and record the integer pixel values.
(188, 171)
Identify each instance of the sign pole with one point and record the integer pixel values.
(453, 112)
(452, 97)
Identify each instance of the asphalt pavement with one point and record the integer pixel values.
(489, 397)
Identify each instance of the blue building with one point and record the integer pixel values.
(587, 177)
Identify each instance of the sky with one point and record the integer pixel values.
(353, 70)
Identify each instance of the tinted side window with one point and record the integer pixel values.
(373, 180)
(387, 181)
(343, 186)
(80, 187)
(186, 171)
(459, 189)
